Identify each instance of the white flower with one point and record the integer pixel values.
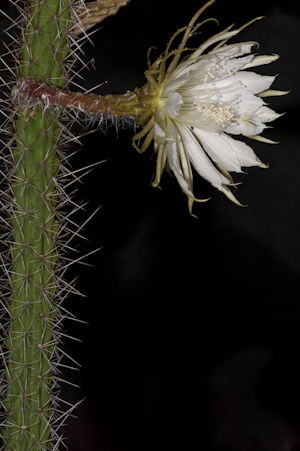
(203, 100)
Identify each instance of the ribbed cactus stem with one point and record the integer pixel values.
(32, 186)
(28, 402)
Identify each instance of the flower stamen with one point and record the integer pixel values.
(214, 114)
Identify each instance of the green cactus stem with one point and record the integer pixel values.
(31, 199)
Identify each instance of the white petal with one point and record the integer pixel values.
(234, 50)
(173, 104)
(261, 60)
(244, 153)
(254, 82)
(199, 159)
(266, 114)
(231, 66)
(219, 150)
(230, 153)
(212, 68)
(198, 65)
(248, 125)
(245, 102)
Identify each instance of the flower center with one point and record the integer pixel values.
(219, 114)
(212, 116)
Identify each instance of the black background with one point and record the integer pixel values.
(193, 334)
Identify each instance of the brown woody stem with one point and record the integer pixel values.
(92, 13)
(30, 91)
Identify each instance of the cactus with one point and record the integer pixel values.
(34, 168)
(37, 232)
(36, 238)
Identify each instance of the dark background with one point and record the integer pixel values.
(193, 334)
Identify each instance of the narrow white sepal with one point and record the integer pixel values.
(272, 93)
(261, 60)
(263, 139)
(231, 197)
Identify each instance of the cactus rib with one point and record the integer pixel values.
(31, 356)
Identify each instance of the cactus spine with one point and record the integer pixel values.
(31, 357)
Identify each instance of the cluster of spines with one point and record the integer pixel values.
(37, 232)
